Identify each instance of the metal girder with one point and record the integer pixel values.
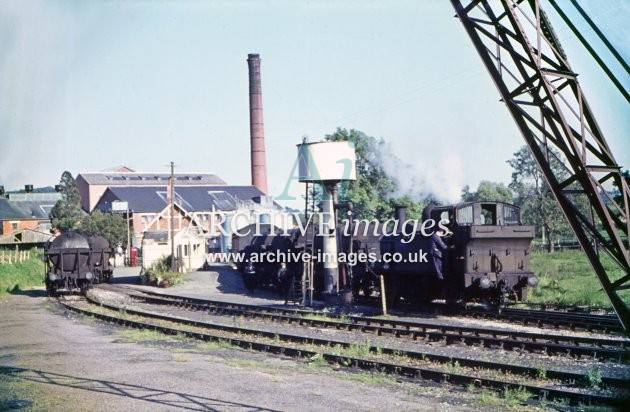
(529, 67)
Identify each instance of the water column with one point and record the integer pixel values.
(328, 164)
(327, 230)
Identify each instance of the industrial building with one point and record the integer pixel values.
(24, 217)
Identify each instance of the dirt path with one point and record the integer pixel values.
(52, 360)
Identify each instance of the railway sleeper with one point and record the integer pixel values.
(402, 370)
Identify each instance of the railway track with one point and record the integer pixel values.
(552, 319)
(557, 307)
(550, 344)
(411, 365)
(546, 316)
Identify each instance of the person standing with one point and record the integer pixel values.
(286, 280)
(438, 250)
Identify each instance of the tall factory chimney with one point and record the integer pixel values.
(256, 125)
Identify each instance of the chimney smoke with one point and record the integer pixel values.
(256, 125)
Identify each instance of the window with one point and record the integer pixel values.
(488, 214)
(147, 219)
(445, 217)
(510, 215)
(465, 215)
(14, 225)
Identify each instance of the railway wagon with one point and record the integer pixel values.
(74, 260)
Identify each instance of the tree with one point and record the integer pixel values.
(533, 195)
(371, 193)
(109, 225)
(67, 213)
(488, 191)
(618, 197)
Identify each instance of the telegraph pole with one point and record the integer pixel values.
(172, 207)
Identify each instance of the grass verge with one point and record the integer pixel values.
(17, 393)
(568, 278)
(20, 276)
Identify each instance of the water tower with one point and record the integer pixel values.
(328, 164)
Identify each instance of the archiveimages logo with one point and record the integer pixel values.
(228, 225)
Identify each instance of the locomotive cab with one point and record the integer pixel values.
(490, 259)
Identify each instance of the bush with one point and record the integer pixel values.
(160, 274)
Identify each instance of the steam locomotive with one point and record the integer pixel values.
(76, 261)
(487, 256)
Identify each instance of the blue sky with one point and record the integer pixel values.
(89, 85)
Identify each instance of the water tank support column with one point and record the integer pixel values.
(331, 269)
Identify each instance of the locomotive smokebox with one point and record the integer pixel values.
(256, 125)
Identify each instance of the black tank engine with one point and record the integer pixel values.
(477, 251)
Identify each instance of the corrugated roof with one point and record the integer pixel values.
(150, 179)
(153, 199)
(38, 197)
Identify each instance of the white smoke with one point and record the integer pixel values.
(438, 176)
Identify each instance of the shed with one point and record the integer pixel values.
(189, 249)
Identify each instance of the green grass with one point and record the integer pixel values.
(511, 399)
(17, 393)
(146, 335)
(250, 363)
(324, 318)
(488, 398)
(317, 361)
(370, 378)
(21, 276)
(160, 274)
(568, 278)
(354, 350)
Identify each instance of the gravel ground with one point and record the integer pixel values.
(52, 360)
(225, 284)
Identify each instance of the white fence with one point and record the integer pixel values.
(9, 257)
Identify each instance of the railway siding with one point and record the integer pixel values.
(433, 351)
